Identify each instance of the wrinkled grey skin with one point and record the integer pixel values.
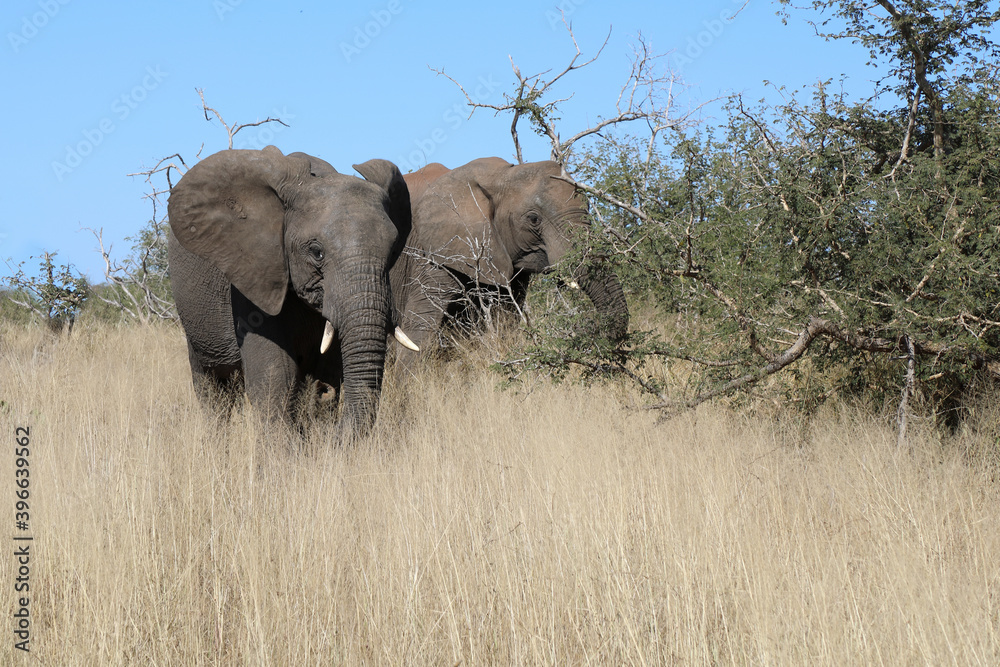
(265, 249)
(489, 223)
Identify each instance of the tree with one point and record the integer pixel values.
(850, 247)
(138, 287)
(930, 46)
(56, 295)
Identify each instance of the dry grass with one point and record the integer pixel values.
(482, 527)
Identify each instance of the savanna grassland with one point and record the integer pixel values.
(556, 524)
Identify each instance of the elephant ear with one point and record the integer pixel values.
(454, 222)
(317, 166)
(387, 176)
(227, 210)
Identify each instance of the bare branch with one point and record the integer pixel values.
(920, 73)
(646, 96)
(903, 412)
(911, 124)
(136, 285)
(817, 328)
(601, 194)
(234, 130)
(740, 10)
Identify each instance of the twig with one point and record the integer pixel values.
(903, 411)
(818, 327)
(234, 130)
(639, 99)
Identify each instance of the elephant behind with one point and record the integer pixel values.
(280, 271)
(491, 224)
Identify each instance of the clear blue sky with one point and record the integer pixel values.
(97, 92)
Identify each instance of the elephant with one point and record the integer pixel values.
(279, 267)
(418, 181)
(492, 224)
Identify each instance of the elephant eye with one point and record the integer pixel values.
(533, 218)
(316, 251)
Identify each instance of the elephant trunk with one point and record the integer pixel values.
(364, 364)
(363, 347)
(605, 291)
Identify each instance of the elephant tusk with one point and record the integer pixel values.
(405, 341)
(574, 284)
(328, 333)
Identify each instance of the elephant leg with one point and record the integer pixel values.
(421, 324)
(202, 295)
(510, 302)
(273, 379)
(423, 316)
(272, 369)
(214, 386)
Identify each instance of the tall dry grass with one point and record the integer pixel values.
(481, 527)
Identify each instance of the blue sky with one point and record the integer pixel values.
(96, 93)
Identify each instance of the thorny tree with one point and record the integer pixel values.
(56, 294)
(851, 246)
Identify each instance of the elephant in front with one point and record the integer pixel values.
(491, 224)
(280, 271)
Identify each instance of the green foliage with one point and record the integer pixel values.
(138, 287)
(948, 41)
(56, 293)
(840, 241)
(11, 310)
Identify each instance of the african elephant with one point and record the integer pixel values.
(490, 223)
(418, 181)
(280, 271)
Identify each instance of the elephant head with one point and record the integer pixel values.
(292, 235)
(501, 223)
(418, 181)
